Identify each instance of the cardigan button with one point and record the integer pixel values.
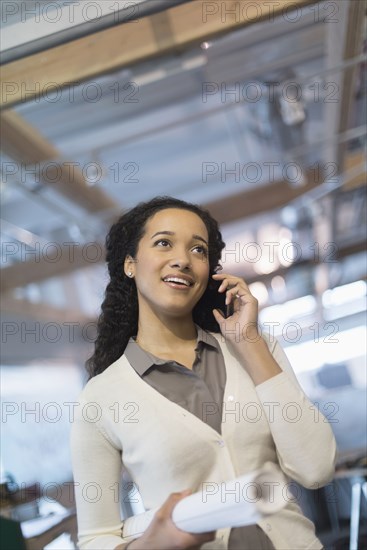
(220, 442)
(230, 398)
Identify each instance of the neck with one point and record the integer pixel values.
(165, 334)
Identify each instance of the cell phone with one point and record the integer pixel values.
(229, 310)
(217, 300)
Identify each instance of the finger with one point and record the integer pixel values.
(183, 494)
(234, 292)
(218, 316)
(241, 289)
(172, 500)
(232, 279)
(224, 284)
(226, 276)
(230, 283)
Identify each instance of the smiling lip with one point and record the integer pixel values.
(176, 285)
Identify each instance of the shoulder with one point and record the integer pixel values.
(101, 384)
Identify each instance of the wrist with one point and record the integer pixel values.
(136, 544)
(248, 341)
(128, 546)
(257, 359)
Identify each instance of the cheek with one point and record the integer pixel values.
(204, 271)
(148, 271)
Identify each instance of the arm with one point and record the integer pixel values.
(304, 441)
(97, 469)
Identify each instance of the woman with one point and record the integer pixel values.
(185, 396)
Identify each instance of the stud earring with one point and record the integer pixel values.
(129, 274)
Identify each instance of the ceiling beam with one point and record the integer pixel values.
(26, 146)
(351, 162)
(239, 206)
(335, 36)
(340, 254)
(184, 26)
(41, 311)
(259, 200)
(280, 193)
(69, 259)
(52, 25)
(44, 312)
(236, 207)
(344, 41)
(353, 47)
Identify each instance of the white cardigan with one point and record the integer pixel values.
(122, 419)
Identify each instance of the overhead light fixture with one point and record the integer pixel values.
(292, 111)
(187, 62)
(206, 45)
(344, 294)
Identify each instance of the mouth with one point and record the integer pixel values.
(179, 283)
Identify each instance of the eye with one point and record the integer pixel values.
(202, 250)
(164, 241)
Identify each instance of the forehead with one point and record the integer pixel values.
(177, 220)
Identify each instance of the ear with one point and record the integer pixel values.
(129, 265)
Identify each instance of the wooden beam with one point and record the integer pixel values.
(353, 47)
(24, 144)
(352, 160)
(236, 207)
(257, 201)
(304, 264)
(44, 266)
(335, 37)
(41, 311)
(179, 28)
(45, 312)
(239, 206)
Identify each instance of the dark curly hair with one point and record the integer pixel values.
(119, 317)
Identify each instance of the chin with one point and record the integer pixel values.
(177, 311)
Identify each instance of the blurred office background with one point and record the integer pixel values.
(255, 110)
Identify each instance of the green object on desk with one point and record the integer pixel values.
(11, 536)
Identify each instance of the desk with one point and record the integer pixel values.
(67, 524)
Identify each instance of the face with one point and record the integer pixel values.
(171, 268)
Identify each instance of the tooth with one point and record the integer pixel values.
(177, 280)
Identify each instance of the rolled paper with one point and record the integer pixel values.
(235, 503)
(241, 501)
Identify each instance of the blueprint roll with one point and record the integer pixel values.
(241, 501)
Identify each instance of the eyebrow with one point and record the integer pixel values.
(173, 233)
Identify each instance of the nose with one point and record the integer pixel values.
(181, 261)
